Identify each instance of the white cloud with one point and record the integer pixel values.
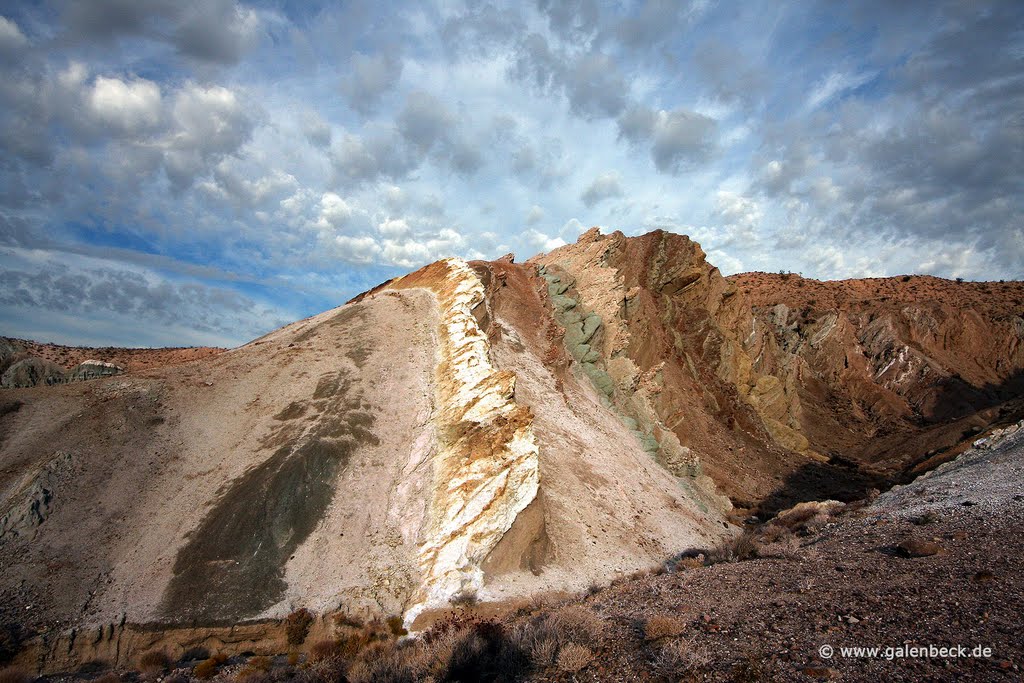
(131, 106)
(534, 215)
(541, 242)
(11, 37)
(605, 186)
(334, 212)
(833, 85)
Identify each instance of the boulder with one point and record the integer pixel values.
(93, 369)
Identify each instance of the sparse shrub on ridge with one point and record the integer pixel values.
(297, 626)
(154, 661)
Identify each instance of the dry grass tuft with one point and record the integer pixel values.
(323, 650)
(154, 661)
(679, 659)
(664, 626)
(574, 657)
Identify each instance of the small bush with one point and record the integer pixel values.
(154, 661)
(297, 625)
(206, 669)
(13, 674)
(574, 657)
(396, 626)
(736, 549)
(663, 626)
(293, 658)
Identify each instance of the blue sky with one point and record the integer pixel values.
(179, 172)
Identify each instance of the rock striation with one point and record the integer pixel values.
(486, 465)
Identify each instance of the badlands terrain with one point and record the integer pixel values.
(579, 467)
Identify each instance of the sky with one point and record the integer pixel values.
(179, 172)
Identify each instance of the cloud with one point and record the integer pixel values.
(652, 23)
(678, 139)
(131, 106)
(534, 215)
(12, 40)
(316, 129)
(833, 85)
(219, 31)
(605, 186)
(540, 241)
(591, 81)
(369, 78)
(90, 288)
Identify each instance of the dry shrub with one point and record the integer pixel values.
(681, 658)
(297, 624)
(154, 661)
(293, 658)
(544, 652)
(580, 624)
(736, 549)
(664, 626)
(347, 620)
(574, 657)
(324, 649)
(13, 674)
(396, 626)
(206, 669)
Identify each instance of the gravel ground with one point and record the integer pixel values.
(850, 586)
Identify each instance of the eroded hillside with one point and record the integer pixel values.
(477, 431)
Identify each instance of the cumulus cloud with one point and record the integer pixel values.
(131, 106)
(605, 186)
(11, 38)
(591, 81)
(369, 78)
(219, 31)
(678, 139)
